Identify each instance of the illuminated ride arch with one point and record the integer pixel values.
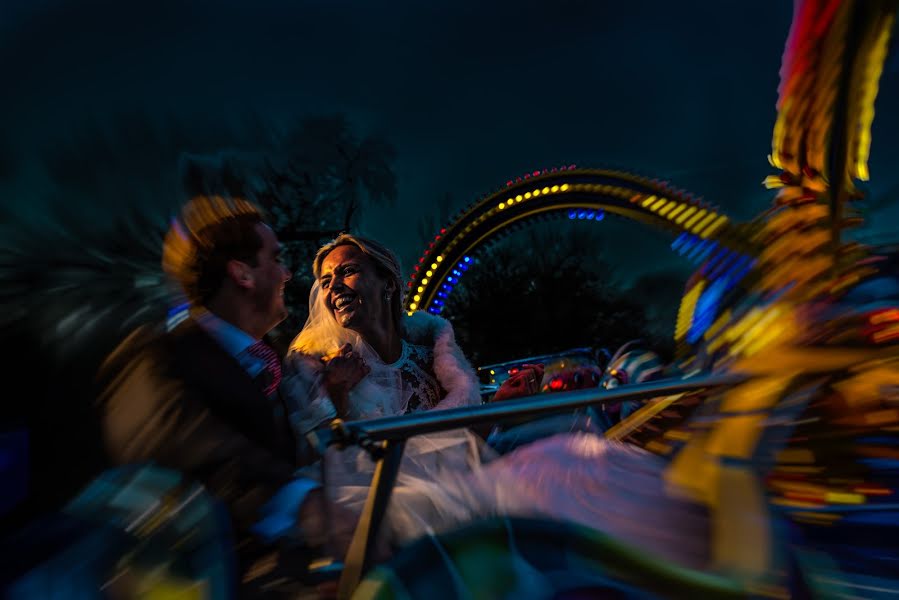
(581, 193)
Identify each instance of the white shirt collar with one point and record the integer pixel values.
(233, 339)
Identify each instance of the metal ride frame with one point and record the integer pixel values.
(579, 193)
(385, 440)
(821, 141)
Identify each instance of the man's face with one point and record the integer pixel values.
(270, 275)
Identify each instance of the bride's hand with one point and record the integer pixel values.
(343, 371)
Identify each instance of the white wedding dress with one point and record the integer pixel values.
(451, 478)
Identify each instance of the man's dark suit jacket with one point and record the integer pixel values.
(180, 400)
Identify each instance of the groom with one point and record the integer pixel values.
(202, 399)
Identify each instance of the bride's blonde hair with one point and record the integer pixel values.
(385, 261)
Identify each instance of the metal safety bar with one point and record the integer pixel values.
(385, 438)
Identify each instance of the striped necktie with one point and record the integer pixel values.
(265, 353)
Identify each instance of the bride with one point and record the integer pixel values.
(359, 357)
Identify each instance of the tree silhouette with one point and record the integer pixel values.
(313, 183)
(660, 293)
(541, 292)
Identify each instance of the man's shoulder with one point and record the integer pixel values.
(156, 343)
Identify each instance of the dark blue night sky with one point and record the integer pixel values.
(471, 94)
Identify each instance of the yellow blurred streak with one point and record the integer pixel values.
(773, 182)
(677, 210)
(864, 390)
(694, 473)
(694, 218)
(678, 435)
(722, 320)
(658, 447)
(844, 498)
(685, 312)
(658, 203)
(868, 93)
(667, 208)
(737, 437)
(711, 229)
(792, 243)
(685, 215)
(649, 200)
(796, 271)
(641, 416)
(871, 419)
(704, 222)
(741, 532)
(754, 395)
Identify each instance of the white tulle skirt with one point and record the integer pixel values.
(449, 479)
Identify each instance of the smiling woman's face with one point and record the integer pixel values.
(353, 289)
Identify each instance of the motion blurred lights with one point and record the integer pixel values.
(666, 208)
(713, 227)
(685, 215)
(705, 311)
(687, 308)
(589, 215)
(692, 220)
(679, 241)
(677, 210)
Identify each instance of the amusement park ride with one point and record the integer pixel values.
(788, 334)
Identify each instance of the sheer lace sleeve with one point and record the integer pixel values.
(308, 404)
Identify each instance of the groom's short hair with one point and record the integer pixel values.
(209, 232)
